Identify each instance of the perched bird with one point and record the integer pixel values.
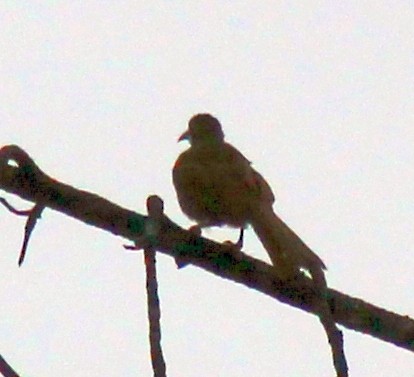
(216, 185)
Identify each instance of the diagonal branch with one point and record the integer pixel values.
(5, 369)
(30, 183)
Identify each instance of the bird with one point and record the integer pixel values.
(216, 185)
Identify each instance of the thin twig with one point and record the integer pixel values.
(6, 370)
(14, 210)
(335, 338)
(154, 314)
(34, 214)
(155, 208)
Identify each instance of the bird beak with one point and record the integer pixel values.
(184, 136)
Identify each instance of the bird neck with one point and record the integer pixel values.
(210, 144)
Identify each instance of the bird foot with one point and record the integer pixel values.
(234, 246)
(196, 230)
(239, 244)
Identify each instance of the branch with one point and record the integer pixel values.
(6, 370)
(353, 313)
(155, 208)
(32, 216)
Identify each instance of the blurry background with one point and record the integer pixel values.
(318, 94)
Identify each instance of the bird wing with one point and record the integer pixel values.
(217, 185)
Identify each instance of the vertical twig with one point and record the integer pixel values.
(335, 338)
(155, 208)
(154, 314)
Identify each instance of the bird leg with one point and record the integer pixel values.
(239, 244)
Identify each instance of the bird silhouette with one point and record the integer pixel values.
(216, 185)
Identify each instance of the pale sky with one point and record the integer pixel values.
(318, 94)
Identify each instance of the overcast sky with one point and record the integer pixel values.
(319, 96)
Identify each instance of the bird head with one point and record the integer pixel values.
(203, 129)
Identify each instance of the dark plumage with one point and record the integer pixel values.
(216, 185)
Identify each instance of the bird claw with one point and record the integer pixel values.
(234, 246)
(139, 244)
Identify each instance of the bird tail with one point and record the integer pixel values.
(288, 253)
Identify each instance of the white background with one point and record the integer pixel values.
(318, 94)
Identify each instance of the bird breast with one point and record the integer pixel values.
(212, 189)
